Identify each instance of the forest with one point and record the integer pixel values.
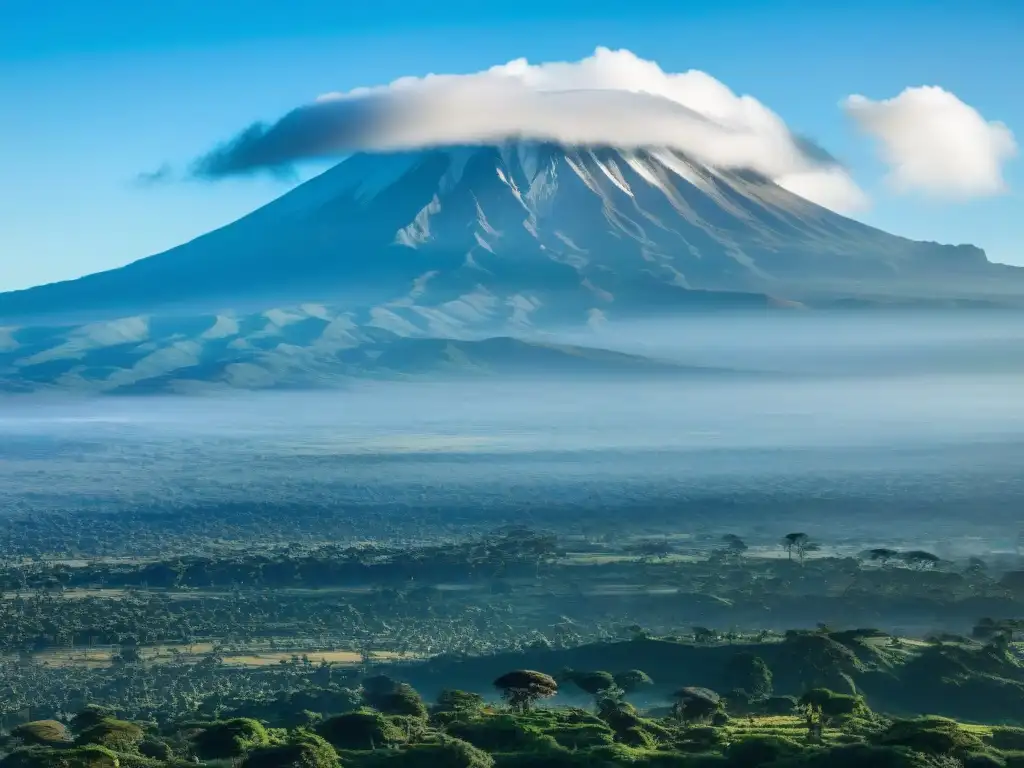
(134, 642)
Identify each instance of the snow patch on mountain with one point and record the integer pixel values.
(224, 326)
(417, 232)
(7, 341)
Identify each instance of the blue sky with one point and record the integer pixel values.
(94, 93)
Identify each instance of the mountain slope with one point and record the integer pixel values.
(565, 231)
(430, 262)
(300, 348)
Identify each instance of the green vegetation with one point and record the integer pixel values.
(509, 648)
(827, 729)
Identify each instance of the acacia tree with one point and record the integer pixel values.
(734, 546)
(522, 688)
(799, 544)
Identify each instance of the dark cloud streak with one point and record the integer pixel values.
(317, 130)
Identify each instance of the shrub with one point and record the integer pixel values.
(632, 680)
(861, 756)
(760, 750)
(158, 750)
(638, 737)
(362, 729)
(593, 682)
(403, 700)
(749, 673)
(303, 750)
(681, 760)
(92, 756)
(695, 705)
(930, 735)
(447, 753)
(700, 739)
(136, 760)
(502, 733)
(42, 732)
(230, 738)
(88, 756)
(778, 705)
(554, 758)
(90, 716)
(1007, 738)
(582, 736)
(834, 704)
(982, 760)
(118, 735)
(454, 700)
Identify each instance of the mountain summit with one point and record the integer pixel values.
(530, 228)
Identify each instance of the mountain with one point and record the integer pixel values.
(533, 229)
(421, 262)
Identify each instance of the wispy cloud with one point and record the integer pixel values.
(158, 176)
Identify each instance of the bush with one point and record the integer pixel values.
(1007, 738)
(447, 753)
(453, 700)
(632, 680)
(859, 756)
(42, 732)
(88, 756)
(700, 739)
(748, 672)
(136, 760)
(983, 760)
(503, 733)
(118, 735)
(362, 729)
(230, 738)
(158, 750)
(582, 736)
(303, 750)
(778, 705)
(90, 716)
(403, 700)
(680, 760)
(695, 704)
(760, 750)
(931, 736)
(554, 758)
(834, 704)
(638, 737)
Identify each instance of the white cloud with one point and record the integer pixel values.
(611, 97)
(935, 143)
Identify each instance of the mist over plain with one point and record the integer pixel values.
(849, 422)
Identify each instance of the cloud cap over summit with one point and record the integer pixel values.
(610, 98)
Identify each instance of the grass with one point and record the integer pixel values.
(98, 658)
(790, 726)
(333, 657)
